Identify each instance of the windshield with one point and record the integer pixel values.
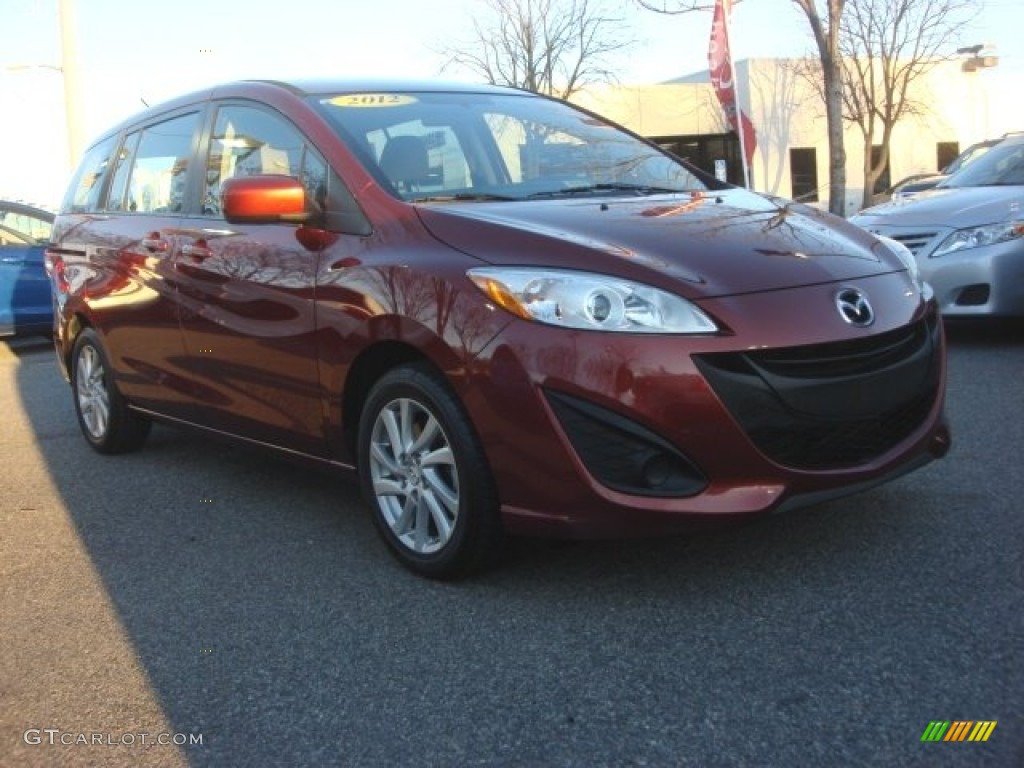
(1002, 165)
(429, 147)
(969, 155)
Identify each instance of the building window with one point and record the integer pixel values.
(883, 182)
(707, 153)
(803, 174)
(945, 153)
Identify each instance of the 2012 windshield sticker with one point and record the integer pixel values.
(370, 100)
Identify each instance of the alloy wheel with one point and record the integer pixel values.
(91, 390)
(414, 476)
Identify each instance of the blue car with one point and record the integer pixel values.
(25, 304)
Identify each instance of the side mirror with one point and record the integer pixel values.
(268, 199)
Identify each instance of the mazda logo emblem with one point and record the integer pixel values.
(854, 307)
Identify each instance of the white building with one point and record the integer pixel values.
(958, 108)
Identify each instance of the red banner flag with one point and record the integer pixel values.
(722, 76)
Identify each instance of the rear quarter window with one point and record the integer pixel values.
(87, 184)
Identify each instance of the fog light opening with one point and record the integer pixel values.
(658, 470)
(973, 295)
(622, 455)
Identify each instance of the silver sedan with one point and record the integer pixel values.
(967, 234)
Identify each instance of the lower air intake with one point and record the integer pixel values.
(621, 454)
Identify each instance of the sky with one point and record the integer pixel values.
(134, 52)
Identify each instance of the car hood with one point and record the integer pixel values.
(947, 207)
(718, 244)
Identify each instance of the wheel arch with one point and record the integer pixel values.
(371, 364)
(73, 328)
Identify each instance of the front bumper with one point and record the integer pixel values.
(981, 281)
(605, 434)
(988, 280)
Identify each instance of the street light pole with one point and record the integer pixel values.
(72, 87)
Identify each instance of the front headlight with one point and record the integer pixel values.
(975, 237)
(588, 301)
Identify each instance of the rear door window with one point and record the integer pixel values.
(159, 169)
(119, 199)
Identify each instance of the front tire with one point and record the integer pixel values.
(107, 423)
(425, 476)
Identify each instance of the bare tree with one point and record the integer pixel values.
(887, 45)
(553, 47)
(826, 36)
(825, 26)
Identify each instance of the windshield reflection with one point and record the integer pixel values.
(473, 147)
(1003, 165)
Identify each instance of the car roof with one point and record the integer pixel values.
(304, 87)
(314, 86)
(998, 139)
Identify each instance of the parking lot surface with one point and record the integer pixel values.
(195, 590)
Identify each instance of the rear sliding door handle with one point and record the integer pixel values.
(153, 242)
(197, 251)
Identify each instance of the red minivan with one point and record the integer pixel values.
(507, 314)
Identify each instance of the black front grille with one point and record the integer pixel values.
(829, 406)
(848, 358)
(810, 445)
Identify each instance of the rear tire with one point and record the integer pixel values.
(107, 423)
(425, 476)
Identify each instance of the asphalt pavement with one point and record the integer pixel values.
(243, 607)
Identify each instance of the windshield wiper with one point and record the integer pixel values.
(590, 189)
(463, 197)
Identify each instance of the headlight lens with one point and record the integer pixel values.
(975, 237)
(589, 301)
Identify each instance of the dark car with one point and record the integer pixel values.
(505, 313)
(26, 307)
